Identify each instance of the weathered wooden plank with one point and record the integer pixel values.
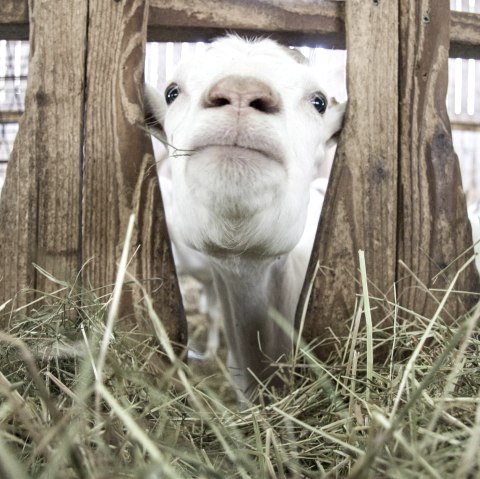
(10, 116)
(310, 22)
(434, 228)
(199, 20)
(291, 22)
(81, 164)
(39, 210)
(360, 206)
(465, 126)
(465, 35)
(14, 11)
(119, 168)
(14, 20)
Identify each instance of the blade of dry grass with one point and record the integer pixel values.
(113, 310)
(10, 467)
(368, 321)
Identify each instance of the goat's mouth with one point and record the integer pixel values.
(237, 152)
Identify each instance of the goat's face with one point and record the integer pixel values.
(247, 122)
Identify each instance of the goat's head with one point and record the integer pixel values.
(246, 122)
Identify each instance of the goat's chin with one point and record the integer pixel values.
(239, 228)
(236, 201)
(240, 241)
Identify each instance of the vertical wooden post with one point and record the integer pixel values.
(81, 165)
(395, 189)
(119, 169)
(40, 204)
(360, 208)
(434, 228)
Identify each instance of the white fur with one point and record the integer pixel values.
(241, 192)
(189, 262)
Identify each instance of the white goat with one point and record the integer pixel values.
(248, 122)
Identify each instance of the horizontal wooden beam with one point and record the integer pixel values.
(304, 23)
(10, 116)
(464, 126)
(14, 20)
(465, 35)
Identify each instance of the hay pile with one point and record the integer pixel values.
(78, 400)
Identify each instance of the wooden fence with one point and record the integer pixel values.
(81, 165)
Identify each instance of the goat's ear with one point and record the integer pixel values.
(334, 120)
(154, 108)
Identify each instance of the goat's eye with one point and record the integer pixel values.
(319, 102)
(171, 93)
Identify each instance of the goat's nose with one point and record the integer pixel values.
(242, 92)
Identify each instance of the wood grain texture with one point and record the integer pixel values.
(360, 206)
(395, 188)
(308, 23)
(14, 20)
(14, 11)
(465, 35)
(81, 165)
(290, 22)
(433, 225)
(119, 169)
(39, 209)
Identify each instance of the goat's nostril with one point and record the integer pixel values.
(265, 105)
(218, 101)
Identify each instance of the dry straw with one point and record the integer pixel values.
(79, 401)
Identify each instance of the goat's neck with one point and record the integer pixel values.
(249, 290)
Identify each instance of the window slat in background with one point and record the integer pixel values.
(464, 109)
(13, 82)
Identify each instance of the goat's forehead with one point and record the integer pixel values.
(256, 49)
(232, 55)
